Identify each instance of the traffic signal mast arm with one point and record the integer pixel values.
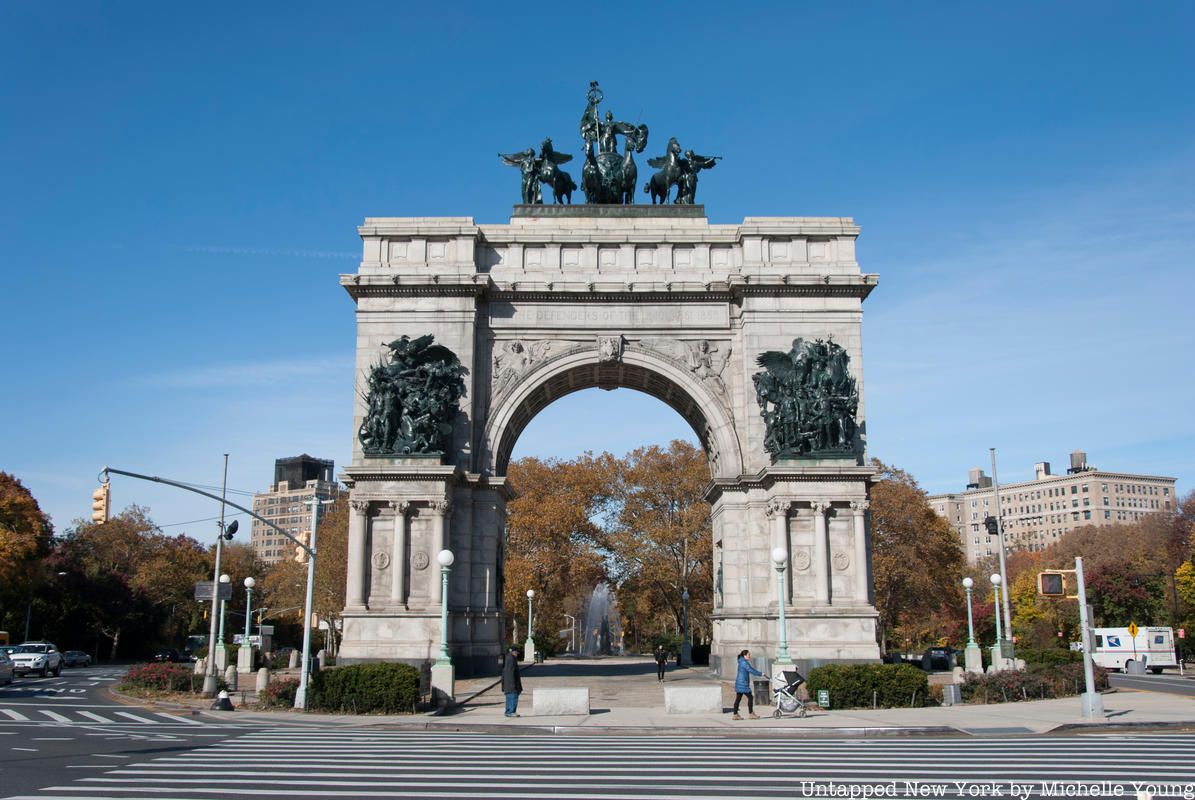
(310, 551)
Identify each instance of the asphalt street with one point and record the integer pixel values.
(1170, 682)
(67, 738)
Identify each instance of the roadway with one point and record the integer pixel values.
(65, 738)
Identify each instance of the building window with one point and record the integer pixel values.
(1074, 489)
(1084, 488)
(1107, 514)
(1086, 515)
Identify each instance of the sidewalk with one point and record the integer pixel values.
(626, 699)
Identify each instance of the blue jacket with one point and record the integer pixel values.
(742, 681)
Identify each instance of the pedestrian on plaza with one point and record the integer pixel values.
(661, 661)
(512, 683)
(742, 685)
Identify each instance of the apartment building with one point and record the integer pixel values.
(1036, 513)
(296, 481)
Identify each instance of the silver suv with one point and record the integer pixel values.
(44, 658)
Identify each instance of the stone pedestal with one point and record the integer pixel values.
(443, 684)
(973, 659)
(221, 656)
(244, 660)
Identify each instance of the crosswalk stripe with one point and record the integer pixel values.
(96, 717)
(16, 715)
(55, 716)
(179, 719)
(136, 718)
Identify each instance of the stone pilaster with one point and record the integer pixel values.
(398, 555)
(859, 507)
(778, 514)
(821, 571)
(355, 577)
(440, 510)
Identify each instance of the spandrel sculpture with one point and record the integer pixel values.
(412, 399)
(808, 400)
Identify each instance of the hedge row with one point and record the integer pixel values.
(1035, 682)
(861, 685)
(163, 677)
(279, 694)
(366, 689)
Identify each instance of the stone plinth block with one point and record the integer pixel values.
(693, 699)
(556, 702)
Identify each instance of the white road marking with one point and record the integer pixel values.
(18, 716)
(96, 717)
(56, 717)
(136, 718)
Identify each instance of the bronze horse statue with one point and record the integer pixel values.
(669, 175)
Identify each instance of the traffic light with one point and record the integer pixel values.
(101, 500)
(1051, 584)
(230, 530)
(989, 522)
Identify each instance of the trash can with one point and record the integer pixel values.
(952, 695)
(539, 657)
(1135, 667)
(762, 694)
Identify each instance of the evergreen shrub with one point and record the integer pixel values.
(163, 677)
(366, 689)
(855, 685)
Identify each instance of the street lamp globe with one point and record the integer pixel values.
(249, 582)
(968, 583)
(445, 557)
(779, 556)
(530, 593)
(225, 578)
(995, 579)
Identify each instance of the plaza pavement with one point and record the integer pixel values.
(625, 698)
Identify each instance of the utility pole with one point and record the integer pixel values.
(301, 693)
(1003, 570)
(209, 676)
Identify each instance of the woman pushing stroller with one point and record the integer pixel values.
(742, 685)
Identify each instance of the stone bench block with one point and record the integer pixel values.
(693, 699)
(554, 702)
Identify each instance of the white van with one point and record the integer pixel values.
(1116, 649)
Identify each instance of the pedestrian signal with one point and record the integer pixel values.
(101, 500)
(992, 526)
(1050, 584)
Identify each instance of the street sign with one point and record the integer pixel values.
(203, 591)
(254, 640)
(265, 630)
(823, 698)
(1133, 629)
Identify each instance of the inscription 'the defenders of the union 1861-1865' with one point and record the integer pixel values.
(631, 316)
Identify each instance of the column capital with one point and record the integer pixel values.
(778, 507)
(820, 506)
(859, 506)
(400, 506)
(359, 506)
(441, 507)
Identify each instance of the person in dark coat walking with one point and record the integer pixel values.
(661, 661)
(742, 685)
(512, 683)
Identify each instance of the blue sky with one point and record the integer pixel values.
(182, 186)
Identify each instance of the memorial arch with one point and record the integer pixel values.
(651, 298)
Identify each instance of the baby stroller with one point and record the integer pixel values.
(784, 693)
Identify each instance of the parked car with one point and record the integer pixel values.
(43, 658)
(942, 658)
(6, 668)
(168, 655)
(76, 658)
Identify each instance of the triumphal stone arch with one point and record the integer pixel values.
(709, 318)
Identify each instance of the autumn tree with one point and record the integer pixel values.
(554, 536)
(284, 585)
(917, 559)
(661, 542)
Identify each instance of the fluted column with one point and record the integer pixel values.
(440, 509)
(859, 507)
(821, 572)
(354, 577)
(778, 513)
(398, 554)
